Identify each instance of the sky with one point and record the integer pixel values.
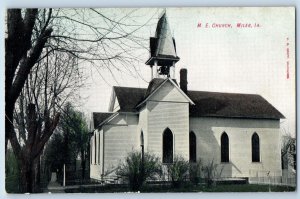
(257, 58)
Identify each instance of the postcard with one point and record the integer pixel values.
(176, 99)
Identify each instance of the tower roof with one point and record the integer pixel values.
(165, 45)
(162, 46)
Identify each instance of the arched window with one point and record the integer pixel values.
(95, 147)
(255, 148)
(193, 147)
(224, 148)
(142, 139)
(167, 146)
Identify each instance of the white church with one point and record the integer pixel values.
(239, 132)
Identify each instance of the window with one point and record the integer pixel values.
(91, 150)
(95, 147)
(224, 148)
(255, 148)
(167, 146)
(193, 147)
(99, 148)
(142, 138)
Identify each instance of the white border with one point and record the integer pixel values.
(133, 3)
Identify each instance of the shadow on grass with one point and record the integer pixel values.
(185, 188)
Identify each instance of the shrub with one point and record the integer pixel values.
(178, 171)
(211, 172)
(136, 171)
(195, 171)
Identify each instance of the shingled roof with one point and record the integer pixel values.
(100, 117)
(207, 104)
(129, 98)
(214, 104)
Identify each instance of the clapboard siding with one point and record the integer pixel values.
(119, 140)
(168, 108)
(143, 126)
(208, 133)
(168, 92)
(170, 115)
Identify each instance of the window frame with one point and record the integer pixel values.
(225, 155)
(165, 158)
(193, 136)
(255, 148)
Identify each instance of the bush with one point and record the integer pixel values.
(211, 172)
(178, 171)
(136, 171)
(195, 171)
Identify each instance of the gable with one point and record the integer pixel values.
(116, 105)
(153, 89)
(168, 92)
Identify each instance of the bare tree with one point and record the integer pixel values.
(51, 83)
(43, 46)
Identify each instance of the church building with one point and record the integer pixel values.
(238, 132)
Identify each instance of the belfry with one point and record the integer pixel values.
(163, 54)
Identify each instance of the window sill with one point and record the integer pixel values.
(225, 163)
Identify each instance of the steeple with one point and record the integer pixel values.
(162, 49)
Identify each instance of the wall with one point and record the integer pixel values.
(209, 130)
(143, 126)
(168, 108)
(95, 164)
(117, 138)
(120, 138)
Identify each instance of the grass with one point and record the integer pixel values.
(185, 188)
(249, 188)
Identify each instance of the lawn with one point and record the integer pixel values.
(186, 188)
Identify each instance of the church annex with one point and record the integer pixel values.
(240, 132)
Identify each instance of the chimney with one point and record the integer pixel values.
(183, 80)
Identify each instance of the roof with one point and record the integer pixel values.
(165, 43)
(207, 104)
(154, 84)
(214, 104)
(100, 118)
(129, 98)
(163, 46)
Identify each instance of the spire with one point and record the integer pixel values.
(165, 45)
(162, 48)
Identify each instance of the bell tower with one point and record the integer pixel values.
(163, 54)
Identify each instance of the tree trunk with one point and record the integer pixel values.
(28, 175)
(37, 175)
(29, 154)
